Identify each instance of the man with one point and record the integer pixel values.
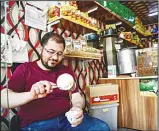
(41, 107)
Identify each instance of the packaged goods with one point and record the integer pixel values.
(66, 11)
(147, 61)
(128, 35)
(53, 11)
(68, 42)
(77, 45)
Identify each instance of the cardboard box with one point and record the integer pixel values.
(102, 94)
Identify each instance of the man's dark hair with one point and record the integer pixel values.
(53, 36)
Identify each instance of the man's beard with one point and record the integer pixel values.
(45, 64)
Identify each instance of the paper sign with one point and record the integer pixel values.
(19, 50)
(44, 4)
(35, 18)
(6, 50)
(39, 4)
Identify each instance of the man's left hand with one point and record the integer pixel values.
(79, 116)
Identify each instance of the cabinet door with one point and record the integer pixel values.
(128, 111)
(148, 113)
(135, 111)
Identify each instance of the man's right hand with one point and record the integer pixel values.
(41, 89)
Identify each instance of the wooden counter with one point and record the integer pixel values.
(135, 111)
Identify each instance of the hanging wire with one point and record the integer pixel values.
(6, 46)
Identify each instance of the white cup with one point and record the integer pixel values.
(71, 116)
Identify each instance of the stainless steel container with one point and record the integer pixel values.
(107, 39)
(126, 61)
(109, 50)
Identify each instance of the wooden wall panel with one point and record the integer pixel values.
(135, 111)
(148, 113)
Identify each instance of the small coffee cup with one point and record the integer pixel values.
(71, 116)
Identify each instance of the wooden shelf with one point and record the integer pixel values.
(82, 57)
(82, 54)
(129, 77)
(134, 43)
(65, 22)
(155, 33)
(104, 12)
(147, 77)
(151, 24)
(123, 20)
(119, 17)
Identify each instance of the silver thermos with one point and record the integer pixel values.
(107, 39)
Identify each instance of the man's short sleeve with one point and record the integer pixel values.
(18, 79)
